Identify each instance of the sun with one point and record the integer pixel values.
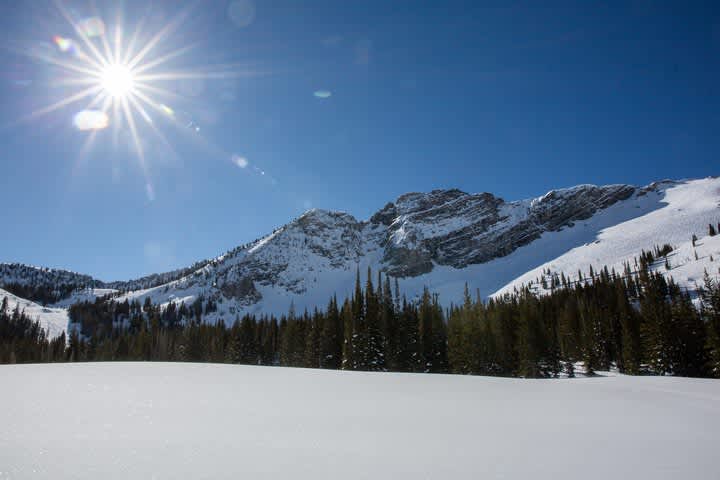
(117, 80)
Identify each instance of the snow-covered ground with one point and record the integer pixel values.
(167, 421)
(53, 320)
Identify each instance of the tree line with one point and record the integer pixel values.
(639, 322)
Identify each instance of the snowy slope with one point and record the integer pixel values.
(165, 421)
(53, 320)
(613, 236)
(84, 295)
(302, 264)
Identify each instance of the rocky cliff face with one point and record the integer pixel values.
(449, 227)
(408, 237)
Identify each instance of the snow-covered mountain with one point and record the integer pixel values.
(441, 240)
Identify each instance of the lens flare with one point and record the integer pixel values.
(240, 161)
(92, 27)
(90, 120)
(166, 110)
(64, 44)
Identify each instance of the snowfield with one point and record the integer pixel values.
(168, 421)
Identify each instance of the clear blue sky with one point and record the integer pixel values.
(513, 98)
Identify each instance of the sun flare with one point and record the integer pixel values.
(125, 81)
(117, 80)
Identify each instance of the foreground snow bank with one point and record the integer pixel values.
(133, 420)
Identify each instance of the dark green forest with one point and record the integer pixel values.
(636, 321)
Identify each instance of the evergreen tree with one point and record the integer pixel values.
(389, 325)
(331, 338)
(630, 353)
(461, 336)
(408, 351)
(711, 314)
(688, 354)
(349, 333)
(655, 328)
(359, 327)
(425, 331)
(312, 341)
(374, 347)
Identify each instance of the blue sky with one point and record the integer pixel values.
(514, 98)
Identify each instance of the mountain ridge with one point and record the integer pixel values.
(440, 239)
(403, 200)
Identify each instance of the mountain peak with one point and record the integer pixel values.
(416, 201)
(412, 202)
(326, 218)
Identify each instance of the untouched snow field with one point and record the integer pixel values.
(169, 421)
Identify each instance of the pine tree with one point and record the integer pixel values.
(425, 331)
(389, 325)
(688, 353)
(569, 332)
(233, 353)
(530, 341)
(249, 348)
(408, 353)
(359, 331)
(349, 332)
(711, 314)
(374, 341)
(656, 323)
(312, 341)
(630, 354)
(331, 338)
(460, 336)
(438, 339)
